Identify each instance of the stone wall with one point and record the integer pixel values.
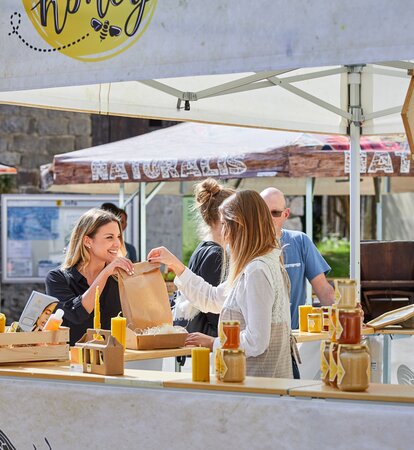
(30, 137)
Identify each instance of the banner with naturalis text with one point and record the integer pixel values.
(53, 43)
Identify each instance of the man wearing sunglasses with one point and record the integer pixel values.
(301, 257)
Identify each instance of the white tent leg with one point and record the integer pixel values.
(355, 211)
(121, 195)
(142, 222)
(309, 226)
(355, 168)
(378, 208)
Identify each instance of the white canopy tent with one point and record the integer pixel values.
(234, 62)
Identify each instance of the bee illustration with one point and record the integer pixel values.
(105, 29)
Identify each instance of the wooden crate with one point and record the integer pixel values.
(34, 346)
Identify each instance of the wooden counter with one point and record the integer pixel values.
(398, 393)
(256, 385)
(63, 372)
(252, 385)
(142, 355)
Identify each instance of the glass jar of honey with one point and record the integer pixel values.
(353, 368)
(315, 322)
(348, 328)
(230, 338)
(325, 362)
(333, 360)
(332, 323)
(325, 318)
(345, 293)
(233, 366)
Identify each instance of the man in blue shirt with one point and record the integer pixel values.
(302, 259)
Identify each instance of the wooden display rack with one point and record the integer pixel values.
(34, 346)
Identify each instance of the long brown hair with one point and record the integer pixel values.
(247, 228)
(87, 225)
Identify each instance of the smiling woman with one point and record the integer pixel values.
(94, 255)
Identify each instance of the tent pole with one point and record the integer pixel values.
(354, 80)
(121, 197)
(142, 222)
(310, 183)
(378, 208)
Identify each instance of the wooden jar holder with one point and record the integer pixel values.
(103, 357)
(34, 346)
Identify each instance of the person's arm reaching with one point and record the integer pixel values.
(323, 290)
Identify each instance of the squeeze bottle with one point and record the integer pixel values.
(54, 321)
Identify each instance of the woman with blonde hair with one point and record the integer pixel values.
(93, 256)
(207, 259)
(256, 292)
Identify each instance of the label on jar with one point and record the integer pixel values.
(339, 328)
(221, 334)
(324, 361)
(332, 364)
(340, 371)
(221, 367)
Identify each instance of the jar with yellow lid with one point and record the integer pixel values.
(348, 327)
(314, 322)
(353, 368)
(231, 365)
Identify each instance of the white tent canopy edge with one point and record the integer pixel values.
(181, 38)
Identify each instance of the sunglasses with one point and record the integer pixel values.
(275, 213)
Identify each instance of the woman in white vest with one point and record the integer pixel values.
(256, 292)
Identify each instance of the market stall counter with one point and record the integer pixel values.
(161, 409)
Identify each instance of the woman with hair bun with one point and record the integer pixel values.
(207, 259)
(256, 292)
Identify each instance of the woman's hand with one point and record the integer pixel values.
(122, 263)
(200, 340)
(161, 255)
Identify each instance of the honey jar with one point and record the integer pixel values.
(325, 318)
(332, 323)
(348, 328)
(232, 367)
(345, 293)
(315, 322)
(333, 360)
(325, 362)
(230, 337)
(353, 368)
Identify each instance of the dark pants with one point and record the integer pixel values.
(295, 368)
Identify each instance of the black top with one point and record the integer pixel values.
(206, 261)
(68, 286)
(131, 253)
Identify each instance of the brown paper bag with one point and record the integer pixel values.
(144, 297)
